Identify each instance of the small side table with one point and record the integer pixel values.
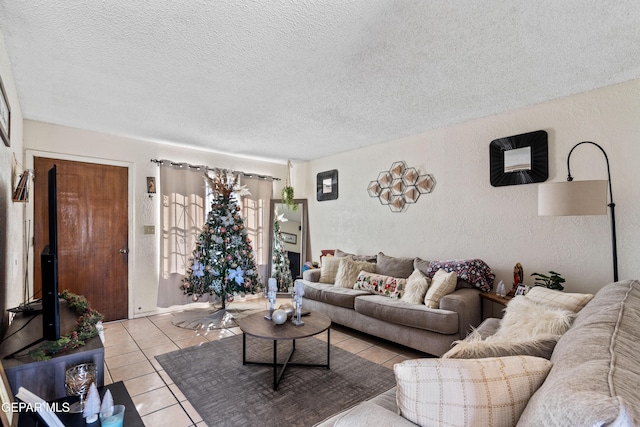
(493, 298)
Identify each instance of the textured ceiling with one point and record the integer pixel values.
(282, 79)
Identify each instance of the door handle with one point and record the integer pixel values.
(124, 251)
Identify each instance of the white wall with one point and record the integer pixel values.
(12, 238)
(465, 217)
(45, 139)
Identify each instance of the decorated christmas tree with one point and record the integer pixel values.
(223, 262)
(281, 267)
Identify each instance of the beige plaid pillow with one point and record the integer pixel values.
(468, 392)
(552, 297)
(348, 271)
(329, 269)
(442, 284)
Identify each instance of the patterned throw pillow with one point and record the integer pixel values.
(442, 284)
(380, 284)
(348, 271)
(329, 269)
(468, 392)
(416, 289)
(554, 298)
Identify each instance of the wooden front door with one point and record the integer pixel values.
(92, 232)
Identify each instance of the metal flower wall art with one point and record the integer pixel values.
(400, 186)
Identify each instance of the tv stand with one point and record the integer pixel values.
(46, 377)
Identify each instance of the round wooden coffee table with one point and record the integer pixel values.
(257, 326)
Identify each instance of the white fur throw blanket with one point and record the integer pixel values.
(527, 328)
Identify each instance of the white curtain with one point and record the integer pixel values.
(183, 213)
(182, 216)
(256, 215)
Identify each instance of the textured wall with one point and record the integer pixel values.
(74, 144)
(12, 271)
(466, 217)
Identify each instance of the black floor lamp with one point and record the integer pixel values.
(580, 198)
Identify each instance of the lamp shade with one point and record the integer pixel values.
(573, 198)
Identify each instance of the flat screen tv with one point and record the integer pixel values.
(49, 268)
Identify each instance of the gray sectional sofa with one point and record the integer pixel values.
(593, 379)
(430, 330)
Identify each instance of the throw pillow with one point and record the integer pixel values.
(329, 269)
(526, 319)
(442, 284)
(368, 258)
(567, 301)
(467, 392)
(478, 349)
(392, 287)
(422, 265)
(416, 288)
(393, 266)
(348, 271)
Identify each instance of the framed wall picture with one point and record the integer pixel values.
(327, 185)
(289, 238)
(519, 159)
(5, 117)
(151, 185)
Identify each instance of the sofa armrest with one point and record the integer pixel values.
(467, 304)
(311, 275)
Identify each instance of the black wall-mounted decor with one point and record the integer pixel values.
(519, 159)
(327, 185)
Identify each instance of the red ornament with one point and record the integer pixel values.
(223, 230)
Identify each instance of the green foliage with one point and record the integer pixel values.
(223, 262)
(84, 331)
(288, 197)
(551, 281)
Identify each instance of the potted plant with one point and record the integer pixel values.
(287, 191)
(552, 281)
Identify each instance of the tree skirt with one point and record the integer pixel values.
(212, 317)
(226, 393)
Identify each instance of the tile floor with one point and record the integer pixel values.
(130, 347)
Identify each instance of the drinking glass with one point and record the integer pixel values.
(77, 381)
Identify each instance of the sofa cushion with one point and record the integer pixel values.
(313, 290)
(416, 288)
(393, 266)
(374, 283)
(329, 269)
(565, 300)
(467, 392)
(365, 412)
(367, 258)
(595, 374)
(341, 297)
(348, 271)
(407, 314)
(443, 283)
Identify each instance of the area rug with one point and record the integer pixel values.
(226, 393)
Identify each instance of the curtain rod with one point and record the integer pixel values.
(207, 168)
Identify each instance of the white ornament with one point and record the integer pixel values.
(279, 317)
